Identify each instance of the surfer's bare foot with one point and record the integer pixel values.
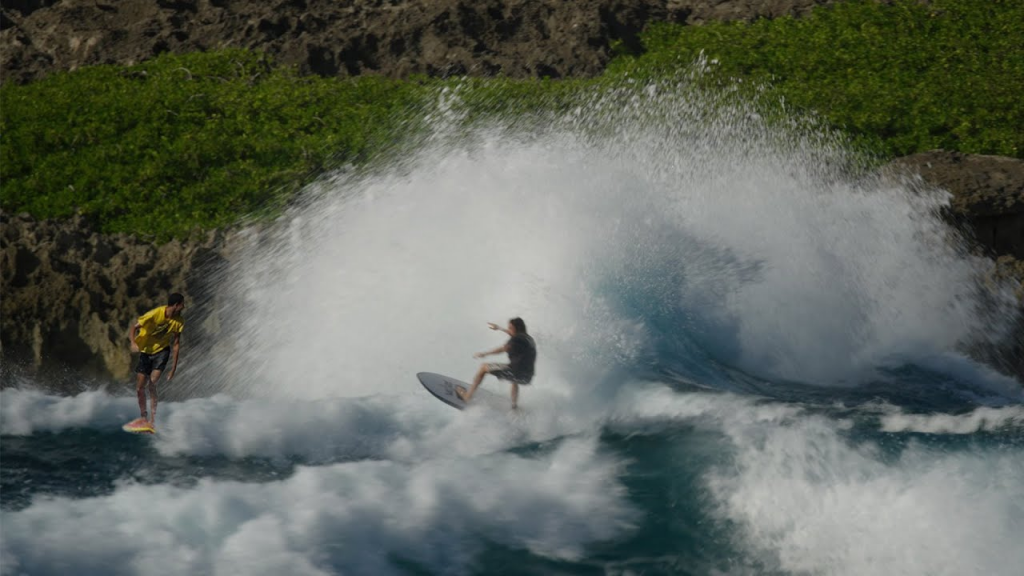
(462, 394)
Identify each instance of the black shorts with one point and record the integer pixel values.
(149, 363)
(504, 372)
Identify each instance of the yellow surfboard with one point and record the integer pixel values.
(139, 426)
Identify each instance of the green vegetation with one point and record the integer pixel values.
(905, 77)
(182, 142)
(197, 141)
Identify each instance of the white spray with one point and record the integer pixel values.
(644, 226)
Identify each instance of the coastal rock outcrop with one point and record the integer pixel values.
(987, 207)
(70, 293)
(988, 196)
(514, 38)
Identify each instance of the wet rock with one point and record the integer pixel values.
(397, 38)
(988, 196)
(72, 308)
(987, 207)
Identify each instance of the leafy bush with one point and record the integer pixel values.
(199, 140)
(904, 76)
(186, 141)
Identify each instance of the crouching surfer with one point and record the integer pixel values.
(154, 336)
(522, 354)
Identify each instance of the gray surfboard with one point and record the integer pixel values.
(443, 387)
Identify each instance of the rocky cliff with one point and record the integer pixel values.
(988, 208)
(988, 196)
(70, 294)
(340, 38)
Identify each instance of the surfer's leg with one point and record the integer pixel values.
(153, 377)
(476, 382)
(515, 394)
(140, 391)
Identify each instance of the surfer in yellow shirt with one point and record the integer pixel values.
(154, 336)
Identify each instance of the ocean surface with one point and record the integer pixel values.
(753, 359)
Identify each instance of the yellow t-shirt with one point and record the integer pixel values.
(156, 330)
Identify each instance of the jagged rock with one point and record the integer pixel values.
(988, 208)
(70, 294)
(396, 38)
(988, 195)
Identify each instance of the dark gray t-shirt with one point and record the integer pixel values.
(522, 353)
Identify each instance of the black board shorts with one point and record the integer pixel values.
(151, 362)
(504, 372)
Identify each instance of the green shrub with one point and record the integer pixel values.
(906, 76)
(184, 142)
(197, 141)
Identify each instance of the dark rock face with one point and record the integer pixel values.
(988, 208)
(515, 38)
(70, 294)
(988, 196)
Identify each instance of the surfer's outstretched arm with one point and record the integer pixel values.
(494, 326)
(498, 350)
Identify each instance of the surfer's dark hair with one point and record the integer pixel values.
(519, 324)
(175, 298)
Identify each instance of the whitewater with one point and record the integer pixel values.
(755, 357)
